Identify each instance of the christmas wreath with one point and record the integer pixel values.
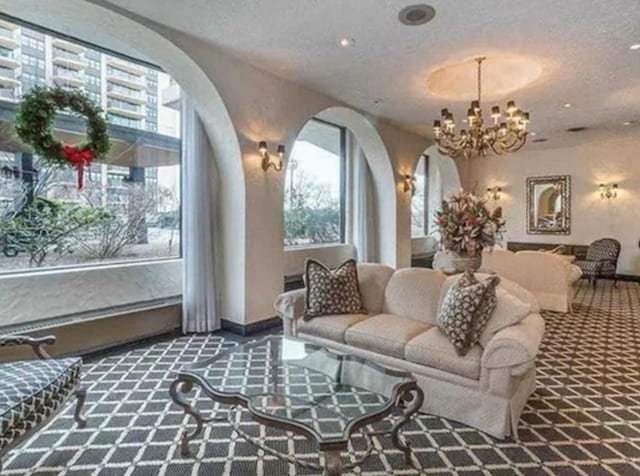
(34, 125)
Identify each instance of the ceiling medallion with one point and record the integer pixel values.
(507, 134)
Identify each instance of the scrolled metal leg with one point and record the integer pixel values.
(81, 396)
(411, 406)
(333, 463)
(185, 386)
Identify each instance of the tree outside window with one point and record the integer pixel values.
(313, 204)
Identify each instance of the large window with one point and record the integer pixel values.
(314, 188)
(419, 208)
(130, 206)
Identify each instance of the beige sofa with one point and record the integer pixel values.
(548, 276)
(486, 389)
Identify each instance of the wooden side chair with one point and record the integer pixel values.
(33, 391)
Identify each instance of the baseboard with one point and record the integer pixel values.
(628, 277)
(271, 323)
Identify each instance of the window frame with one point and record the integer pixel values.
(107, 51)
(343, 188)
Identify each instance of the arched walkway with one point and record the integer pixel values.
(88, 20)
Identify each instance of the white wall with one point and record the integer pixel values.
(43, 295)
(611, 161)
(260, 106)
(330, 255)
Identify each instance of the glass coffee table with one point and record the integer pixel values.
(306, 389)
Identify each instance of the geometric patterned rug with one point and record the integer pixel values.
(584, 417)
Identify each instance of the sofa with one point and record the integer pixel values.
(548, 276)
(486, 389)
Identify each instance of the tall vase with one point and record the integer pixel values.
(462, 262)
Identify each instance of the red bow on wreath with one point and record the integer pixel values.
(79, 158)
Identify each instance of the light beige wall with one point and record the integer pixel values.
(614, 160)
(37, 296)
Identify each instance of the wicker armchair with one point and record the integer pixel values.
(601, 260)
(33, 391)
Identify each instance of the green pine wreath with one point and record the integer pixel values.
(35, 118)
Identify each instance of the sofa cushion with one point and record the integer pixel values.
(433, 349)
(31, 391)
(414, 293)
(330, 327)
(507, 285)
(385, 334)
(466, 309)
(373, 279)
(509, 311)
(332, 291)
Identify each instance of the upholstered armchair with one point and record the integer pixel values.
(33, 391)
(601, 260)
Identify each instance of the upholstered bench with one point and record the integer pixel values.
(32, 391)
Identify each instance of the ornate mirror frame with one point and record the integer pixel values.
(564, 183)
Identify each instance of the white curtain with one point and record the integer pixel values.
(198, 174)
(365, 216)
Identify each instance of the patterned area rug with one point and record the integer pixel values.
(583, 419)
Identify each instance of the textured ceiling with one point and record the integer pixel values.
(582, 47)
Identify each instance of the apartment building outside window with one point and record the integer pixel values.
(133, 199)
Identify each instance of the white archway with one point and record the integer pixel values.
(103, 25)
(379, 162)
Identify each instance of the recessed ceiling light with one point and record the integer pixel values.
(415, 15)
(532, 134)
(627, 123)
(567, 105)
(635, 46)
(346, 42)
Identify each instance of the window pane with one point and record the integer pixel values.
(129, 208)
(312, 205)
(418, 201)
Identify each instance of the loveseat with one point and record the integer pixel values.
(486, 389)
(548, 276)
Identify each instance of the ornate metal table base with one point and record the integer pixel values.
(409, 400)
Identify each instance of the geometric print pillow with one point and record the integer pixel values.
(332, 292)
(466, 309)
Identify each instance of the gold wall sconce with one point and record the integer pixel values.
(409, 184)
(267, 161)
(494, 193)
(608, 190)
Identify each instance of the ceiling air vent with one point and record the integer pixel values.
(415, 15)
(542, 139)
(577, 129)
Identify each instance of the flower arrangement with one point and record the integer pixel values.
(466, 225)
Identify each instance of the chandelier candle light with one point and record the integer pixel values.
(507, 134)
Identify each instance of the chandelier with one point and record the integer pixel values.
(507, 133)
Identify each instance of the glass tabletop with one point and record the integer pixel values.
(289, 380)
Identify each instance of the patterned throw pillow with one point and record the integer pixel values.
(466, 310)
(332, 292)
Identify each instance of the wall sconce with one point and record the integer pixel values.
(267, 162)
(608, 190)
(409, 184)
(494, 193)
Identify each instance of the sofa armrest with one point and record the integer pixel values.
(515, 347)
(290, 306)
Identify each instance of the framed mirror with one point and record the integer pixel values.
(549, 205)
